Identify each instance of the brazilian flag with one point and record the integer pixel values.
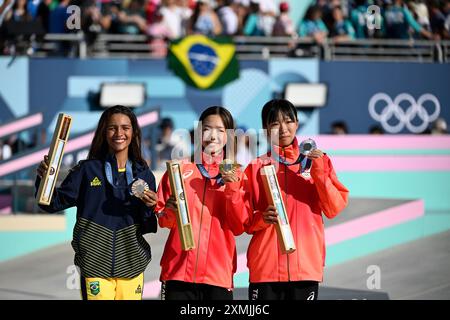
(203, 62)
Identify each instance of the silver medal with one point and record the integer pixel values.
(139, 187)
(307, 146)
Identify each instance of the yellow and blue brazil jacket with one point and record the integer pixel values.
(107, 237)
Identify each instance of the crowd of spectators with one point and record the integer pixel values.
(21, 142)
(437, 127)
(172, 19)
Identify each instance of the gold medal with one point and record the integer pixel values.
(227, 166)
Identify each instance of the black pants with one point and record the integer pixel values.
(179, 290)
(296, 290)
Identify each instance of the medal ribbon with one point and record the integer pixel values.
(205, 173)
(305, 163)
(128, 174)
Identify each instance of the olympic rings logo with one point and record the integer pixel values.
(393, 110)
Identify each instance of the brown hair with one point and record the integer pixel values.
(99, 147)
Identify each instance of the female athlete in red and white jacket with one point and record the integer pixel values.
(215, 206)
(274, 275)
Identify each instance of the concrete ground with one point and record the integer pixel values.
(415, 270)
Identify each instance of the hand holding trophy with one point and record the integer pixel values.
(182, 213)
(49, 168)
(276, 204)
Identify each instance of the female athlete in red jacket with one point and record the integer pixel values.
(274, 275)
(206, 272)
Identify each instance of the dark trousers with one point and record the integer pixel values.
(179, 290)
(296, 290)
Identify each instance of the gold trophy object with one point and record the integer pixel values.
(183, 217)
(55, 155)
(274, 198)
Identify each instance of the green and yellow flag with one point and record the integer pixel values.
(203, 62)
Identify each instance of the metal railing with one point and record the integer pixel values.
(387, 50)
(142, 46)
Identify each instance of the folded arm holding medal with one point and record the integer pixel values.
(230, 176)
(149, 197)
(270, 214)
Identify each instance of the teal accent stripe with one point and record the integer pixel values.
(388, 152)
(425, 226)
(432, 187)
(15, 244)
(386, 238)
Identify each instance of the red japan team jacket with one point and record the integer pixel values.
(305, 201)
(216, 216)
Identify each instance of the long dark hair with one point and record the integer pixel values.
(99, 147)
(229, 124)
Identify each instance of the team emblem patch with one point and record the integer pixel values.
(94, 287)
(138, 290)
(96, 182)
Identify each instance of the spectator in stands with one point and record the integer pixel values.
(19, 12)
(5, 6)
(358, 18)
(43, 13)
(439, 126)
(5, 150)
(284, 26)
(146, 150)
(342, 28)
(172, 17)
(39, 138)
(376, 129)
(12, 42)
(165, 144)
(326, 7)
(16, 143)
(420, 12)
(253, 25)
(446, 12)
(204, 20)
(399, 20)
(110, 13)
(58, 17)
(269, 12)
(242, 13)
(92, 21)
(159, 32)
(312, 26)
(438, 21)
(151, 7)
(133, 19)
(339, 128)
(227, 12)
(361, 20)
(32, 6)
(244, 3)
(186, 9)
